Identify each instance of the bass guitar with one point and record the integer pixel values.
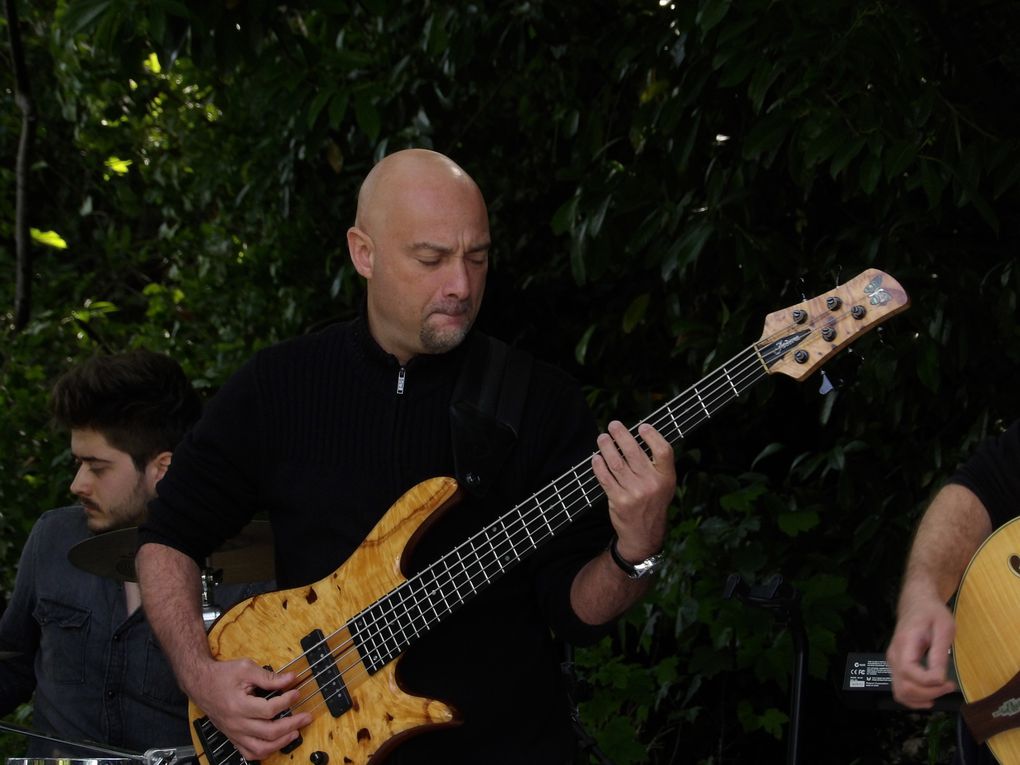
(343, 634)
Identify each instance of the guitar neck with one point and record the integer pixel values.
(385, 629)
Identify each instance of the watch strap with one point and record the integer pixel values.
(634, 570)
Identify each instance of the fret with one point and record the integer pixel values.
(672, 416)
(478, 557)
(510, 555)
(580, 485)
(495, 553)
(531, 539)
(730, 381)
(708, 414)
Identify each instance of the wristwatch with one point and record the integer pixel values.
(637, 570)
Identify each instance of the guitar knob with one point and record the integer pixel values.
(833, 303)
(318, 758)
(828, 333)
(858, 312)
(801, 357)
(799, 316)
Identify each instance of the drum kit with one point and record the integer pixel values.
(247, 557)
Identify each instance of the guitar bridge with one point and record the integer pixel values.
(326, 673)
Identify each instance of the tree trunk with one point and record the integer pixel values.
(23, 97)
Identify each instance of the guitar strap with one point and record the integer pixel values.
(485, 411)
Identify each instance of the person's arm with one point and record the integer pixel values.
(950, 532)
(639, 490)
(224, 691)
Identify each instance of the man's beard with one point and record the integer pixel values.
(435, 340)
(129, 512)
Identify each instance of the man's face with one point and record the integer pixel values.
(112, 490)
(428, 245)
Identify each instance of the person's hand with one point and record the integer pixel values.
(227, 692)
(639, 488)
(918, 654)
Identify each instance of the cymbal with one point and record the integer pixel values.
(247, 557)
(9, 655)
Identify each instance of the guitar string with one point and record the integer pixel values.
(708, 389)
(693, 417)
(707, 394)
(347, 651)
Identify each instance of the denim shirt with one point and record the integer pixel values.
(98, 674)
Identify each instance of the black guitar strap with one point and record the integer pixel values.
(485, 411)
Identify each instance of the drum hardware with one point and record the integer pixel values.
(247, 557)
(108, 755)
(210, 611)
(9, 655)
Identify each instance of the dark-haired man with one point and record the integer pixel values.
(82, 645)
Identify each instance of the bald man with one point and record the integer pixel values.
(326, 432)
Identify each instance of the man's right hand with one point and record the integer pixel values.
(230, 694)
(918, 654)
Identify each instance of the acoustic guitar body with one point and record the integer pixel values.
(269, 629)
(987, 645)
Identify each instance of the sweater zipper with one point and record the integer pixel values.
(401, 376)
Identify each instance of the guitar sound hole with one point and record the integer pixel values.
(1014, 564)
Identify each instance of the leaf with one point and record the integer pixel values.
(845, 155)
(581, 349)
(766, 135)
(118, 165)
(711, 13)
(898, 158)
(317, 105)
(563, 219)
(367, 116)
(48, 238)
(798, 522)
(635, 313)
(932, 182)
(768, 451)
(82, 13)
(764, 76)
(871, 171)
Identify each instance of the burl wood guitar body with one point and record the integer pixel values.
(269, 629)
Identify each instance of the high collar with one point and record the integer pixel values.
(426, 367)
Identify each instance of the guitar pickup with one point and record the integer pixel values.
(326, 673)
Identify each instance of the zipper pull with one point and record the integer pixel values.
(401, 375)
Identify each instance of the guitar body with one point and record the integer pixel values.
(987, 645)
(268, 628)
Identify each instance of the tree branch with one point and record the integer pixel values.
(22, 245)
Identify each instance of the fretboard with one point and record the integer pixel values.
(385, 629)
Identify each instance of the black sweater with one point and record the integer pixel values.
(315, 433)
(993, 474)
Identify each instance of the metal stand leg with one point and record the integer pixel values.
(785, 600)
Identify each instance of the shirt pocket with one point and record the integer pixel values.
(63, 643)
(158, 681)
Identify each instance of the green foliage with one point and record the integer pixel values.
(659, 177)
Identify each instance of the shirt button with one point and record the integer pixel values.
(111, 694)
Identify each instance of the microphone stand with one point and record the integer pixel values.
(785, 599)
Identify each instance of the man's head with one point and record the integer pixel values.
(421, 240)
(126, 413)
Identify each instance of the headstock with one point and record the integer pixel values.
(798, 339)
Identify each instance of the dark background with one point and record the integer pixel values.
(660, 177)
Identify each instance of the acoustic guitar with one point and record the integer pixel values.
(343, 634)
(986, 649)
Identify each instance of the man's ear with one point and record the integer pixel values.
(362, 250)
(158, 466)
